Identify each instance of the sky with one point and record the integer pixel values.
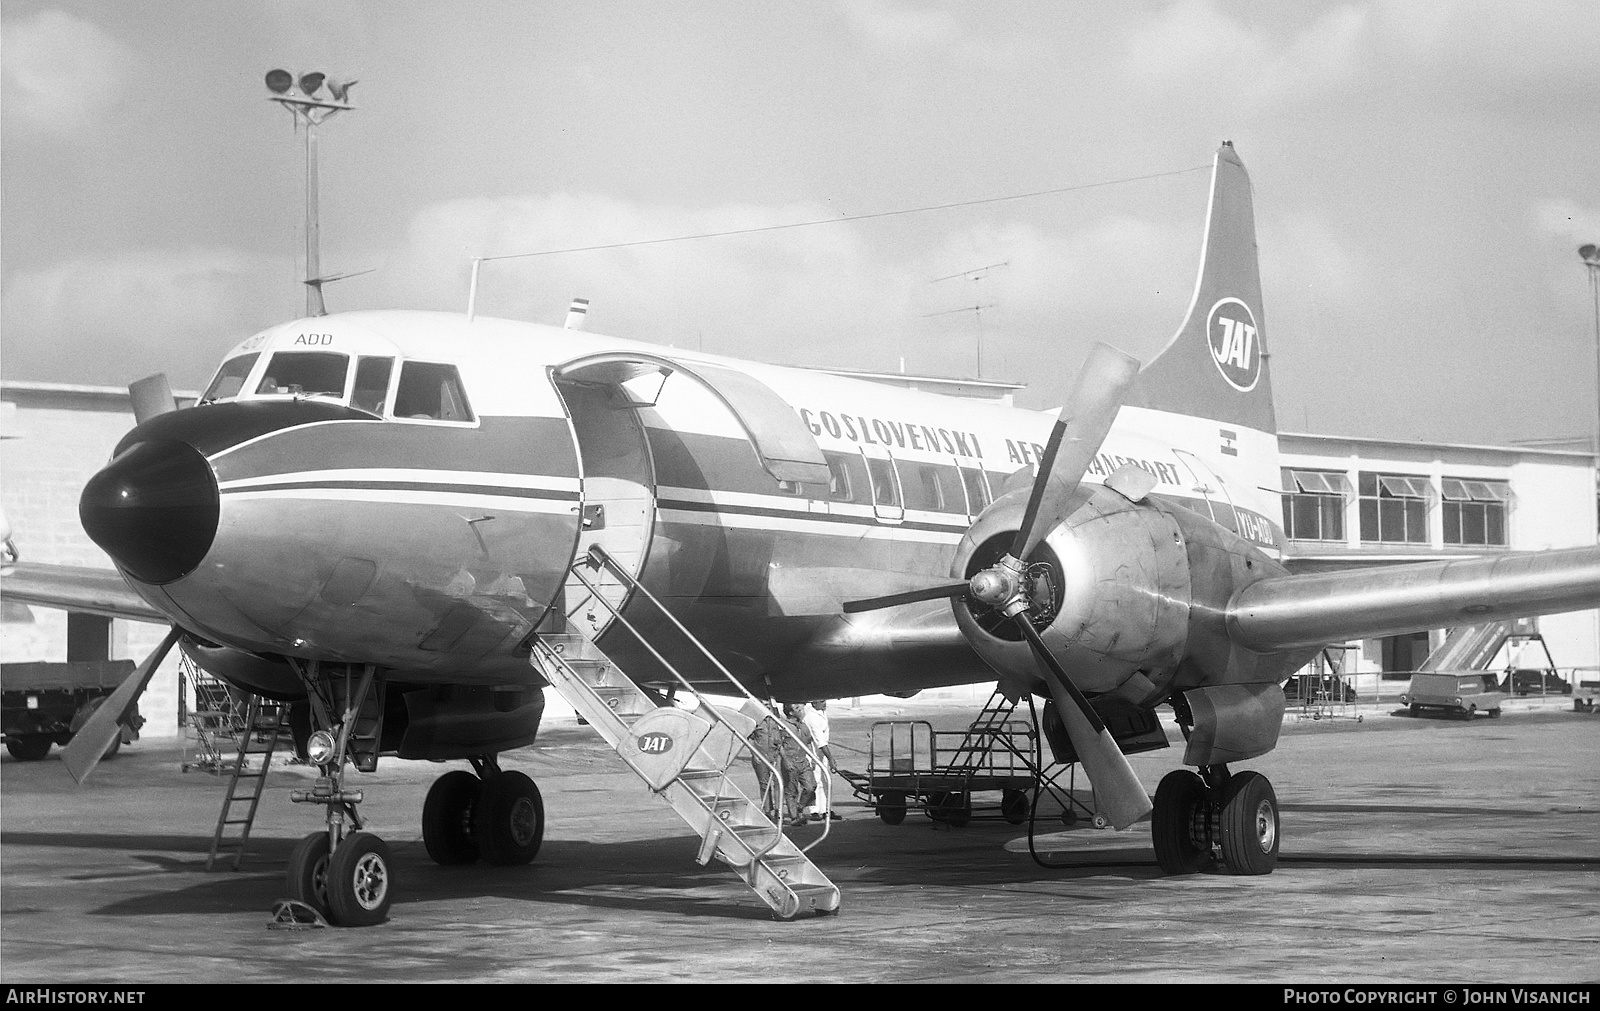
(1424, 173)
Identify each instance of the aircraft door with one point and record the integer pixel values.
(617, 495)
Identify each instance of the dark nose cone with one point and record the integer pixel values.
(154, 509)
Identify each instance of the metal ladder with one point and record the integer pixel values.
(262, 726)
(687, 757)
(984, 734)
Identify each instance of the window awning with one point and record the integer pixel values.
(1405, 487)
(1316, 482)
(1456, 489)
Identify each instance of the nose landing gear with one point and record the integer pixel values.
(342, 872)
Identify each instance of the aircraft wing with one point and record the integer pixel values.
(76, 588)
(1323, 607)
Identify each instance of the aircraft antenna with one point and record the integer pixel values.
(975, 275)
(306, 107)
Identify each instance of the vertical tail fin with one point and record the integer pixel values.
(1216, 366)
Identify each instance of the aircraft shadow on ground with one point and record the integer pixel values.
(660, 874)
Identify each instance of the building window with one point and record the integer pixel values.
(1394, 508)
(1474, 511)
(1313, 504)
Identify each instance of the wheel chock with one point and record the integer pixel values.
(292, 914)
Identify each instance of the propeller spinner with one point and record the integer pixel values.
(1017, 589)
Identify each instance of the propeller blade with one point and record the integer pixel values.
(151, 396)
(909, 597)
(1116, 786)
(89, 744)
(1084, 422)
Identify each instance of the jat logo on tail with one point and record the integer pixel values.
(1235, 343)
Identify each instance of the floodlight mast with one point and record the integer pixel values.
(310, 110)
(1590, 254)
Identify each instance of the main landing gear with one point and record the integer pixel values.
(496, 816)
(1198, 814)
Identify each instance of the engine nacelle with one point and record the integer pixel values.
(1113, 602)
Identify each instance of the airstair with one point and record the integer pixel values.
(688, 758)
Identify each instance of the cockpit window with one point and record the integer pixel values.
(230, 378)
(305, 373)
(431, 391)
(372, 383)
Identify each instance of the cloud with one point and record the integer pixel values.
(1567, 219)
(1490, 47)
(805, 296)
(62, 73)
(1205, 50)
(109, 319)
(901, 29)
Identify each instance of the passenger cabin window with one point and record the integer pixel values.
(847, 479)
(977, 489)
(885, 490)
(933, 487)
(431, 391)
(305, 374)
(372, 384)
(230, 378)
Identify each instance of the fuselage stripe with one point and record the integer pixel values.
(498, 491)
(685, 505)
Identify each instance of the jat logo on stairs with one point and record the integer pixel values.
(654, 744)
(1235, 343)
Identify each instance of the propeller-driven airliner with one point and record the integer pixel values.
(417, 523)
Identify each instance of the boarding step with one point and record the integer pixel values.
(688, 759)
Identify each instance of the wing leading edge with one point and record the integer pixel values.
(1319, 608)
(76, 588)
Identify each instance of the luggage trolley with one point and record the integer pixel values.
(910, 765)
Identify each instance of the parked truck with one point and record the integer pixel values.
(46, 703)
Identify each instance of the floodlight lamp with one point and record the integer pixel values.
(279, 81)
(1590, 254)
(309, 83)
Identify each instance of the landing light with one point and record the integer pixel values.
(320, 748)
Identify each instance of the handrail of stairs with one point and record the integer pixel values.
(598, 557)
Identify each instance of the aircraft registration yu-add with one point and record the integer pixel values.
(413, 524)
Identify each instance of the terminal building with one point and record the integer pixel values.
(1346, 502)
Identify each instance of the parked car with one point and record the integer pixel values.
(1463, 694)
(1311, 688)
(1535, 681)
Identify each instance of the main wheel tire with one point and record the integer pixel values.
(1015, 806)
(509, 819)
(1249, 824)
(447, 817)
(1180, 806)
(359, 881)
(28, 747)
(892, 807)
(308, 872)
